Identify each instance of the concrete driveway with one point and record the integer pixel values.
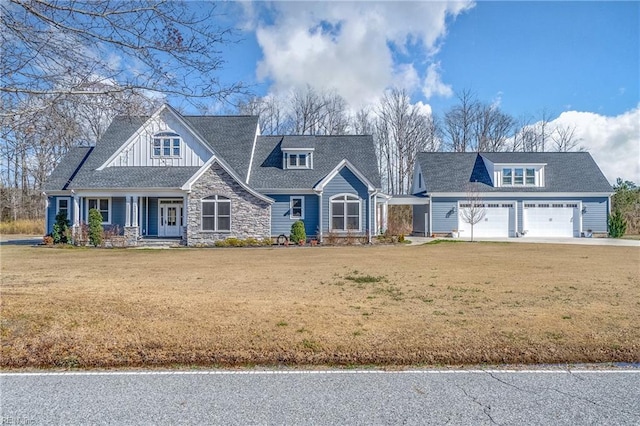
(580, 241)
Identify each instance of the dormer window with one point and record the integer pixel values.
(522, 176)
(166, 144)
(297, 160)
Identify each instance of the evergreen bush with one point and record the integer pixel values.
(95, 227)
(617, 225)
(297, 232)
(60, 231)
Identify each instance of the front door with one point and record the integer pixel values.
(170, 218)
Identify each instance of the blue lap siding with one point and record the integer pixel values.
(345, 182)
(281, 220)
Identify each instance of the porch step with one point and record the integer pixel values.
(159, 242)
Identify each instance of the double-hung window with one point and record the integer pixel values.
(345, 213)
(103, 205)
(296, 208)
(530, 176)
(216, 214)
(507, 176)
(166, 144)
(518, 175)
(63, 207)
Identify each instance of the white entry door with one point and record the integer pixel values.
(170, 218)
(548, 219)
(494, 224)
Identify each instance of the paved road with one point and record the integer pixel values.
(332, 397)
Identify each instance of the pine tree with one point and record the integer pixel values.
(617, 225)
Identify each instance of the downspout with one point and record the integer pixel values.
(46, 213)
(320, 216)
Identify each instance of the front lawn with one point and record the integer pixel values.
(463, 303)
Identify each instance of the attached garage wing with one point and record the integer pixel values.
(495, 222)
(549, 219)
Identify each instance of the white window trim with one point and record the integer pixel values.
(359, 201)
(108, 222)
(68, 206)
(215, 214)
(308, 160)
(291, 216)
(537, 176)
(170, 135)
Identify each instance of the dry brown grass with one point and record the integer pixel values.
(435, 304)
(22, 226)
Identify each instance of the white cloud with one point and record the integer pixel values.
(347, 46)
(433, 84)
(614, 142)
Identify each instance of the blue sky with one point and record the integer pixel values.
(577, 61)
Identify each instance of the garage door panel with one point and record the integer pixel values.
(494, 224)
(549, 219)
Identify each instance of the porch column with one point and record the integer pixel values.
(134, 213)
(185, 213)
(127, 215)
(76, 211)
(385, 214)
(46, 213)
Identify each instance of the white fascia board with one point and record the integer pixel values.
(407, 200)
(519, 164)
(156, 116)
(139, 192)
(253, 151)
(333, 173)
(226, 168)
(286, 191)
(522, 194)
(297, 149)
(58, 192)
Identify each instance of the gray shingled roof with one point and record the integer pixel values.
(231, 137)
(298, 141)
(564, 171)
(62, 174)
(267, 171)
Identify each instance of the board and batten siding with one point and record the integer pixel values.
(139, 152)
(345, 182)
(281, 220)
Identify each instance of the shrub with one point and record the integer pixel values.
(95, 227)
(221, 243)
(61, 230)
(267, 241)
(297, 232)
(617, 225)
(236, 242)
(47, 240)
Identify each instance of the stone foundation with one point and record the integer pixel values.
(131, 234)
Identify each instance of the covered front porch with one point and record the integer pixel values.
(135, 216)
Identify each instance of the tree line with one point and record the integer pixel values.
(70, 66)
(400, 128)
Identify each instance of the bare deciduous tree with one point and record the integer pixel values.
(67, 47)
(564, 138)
(473, 210)
(459, 121)
(402, 131)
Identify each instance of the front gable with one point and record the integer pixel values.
(165, 139)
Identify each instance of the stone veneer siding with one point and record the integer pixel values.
(250, 216)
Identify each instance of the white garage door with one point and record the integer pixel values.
(494, 224)
(545, 219)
